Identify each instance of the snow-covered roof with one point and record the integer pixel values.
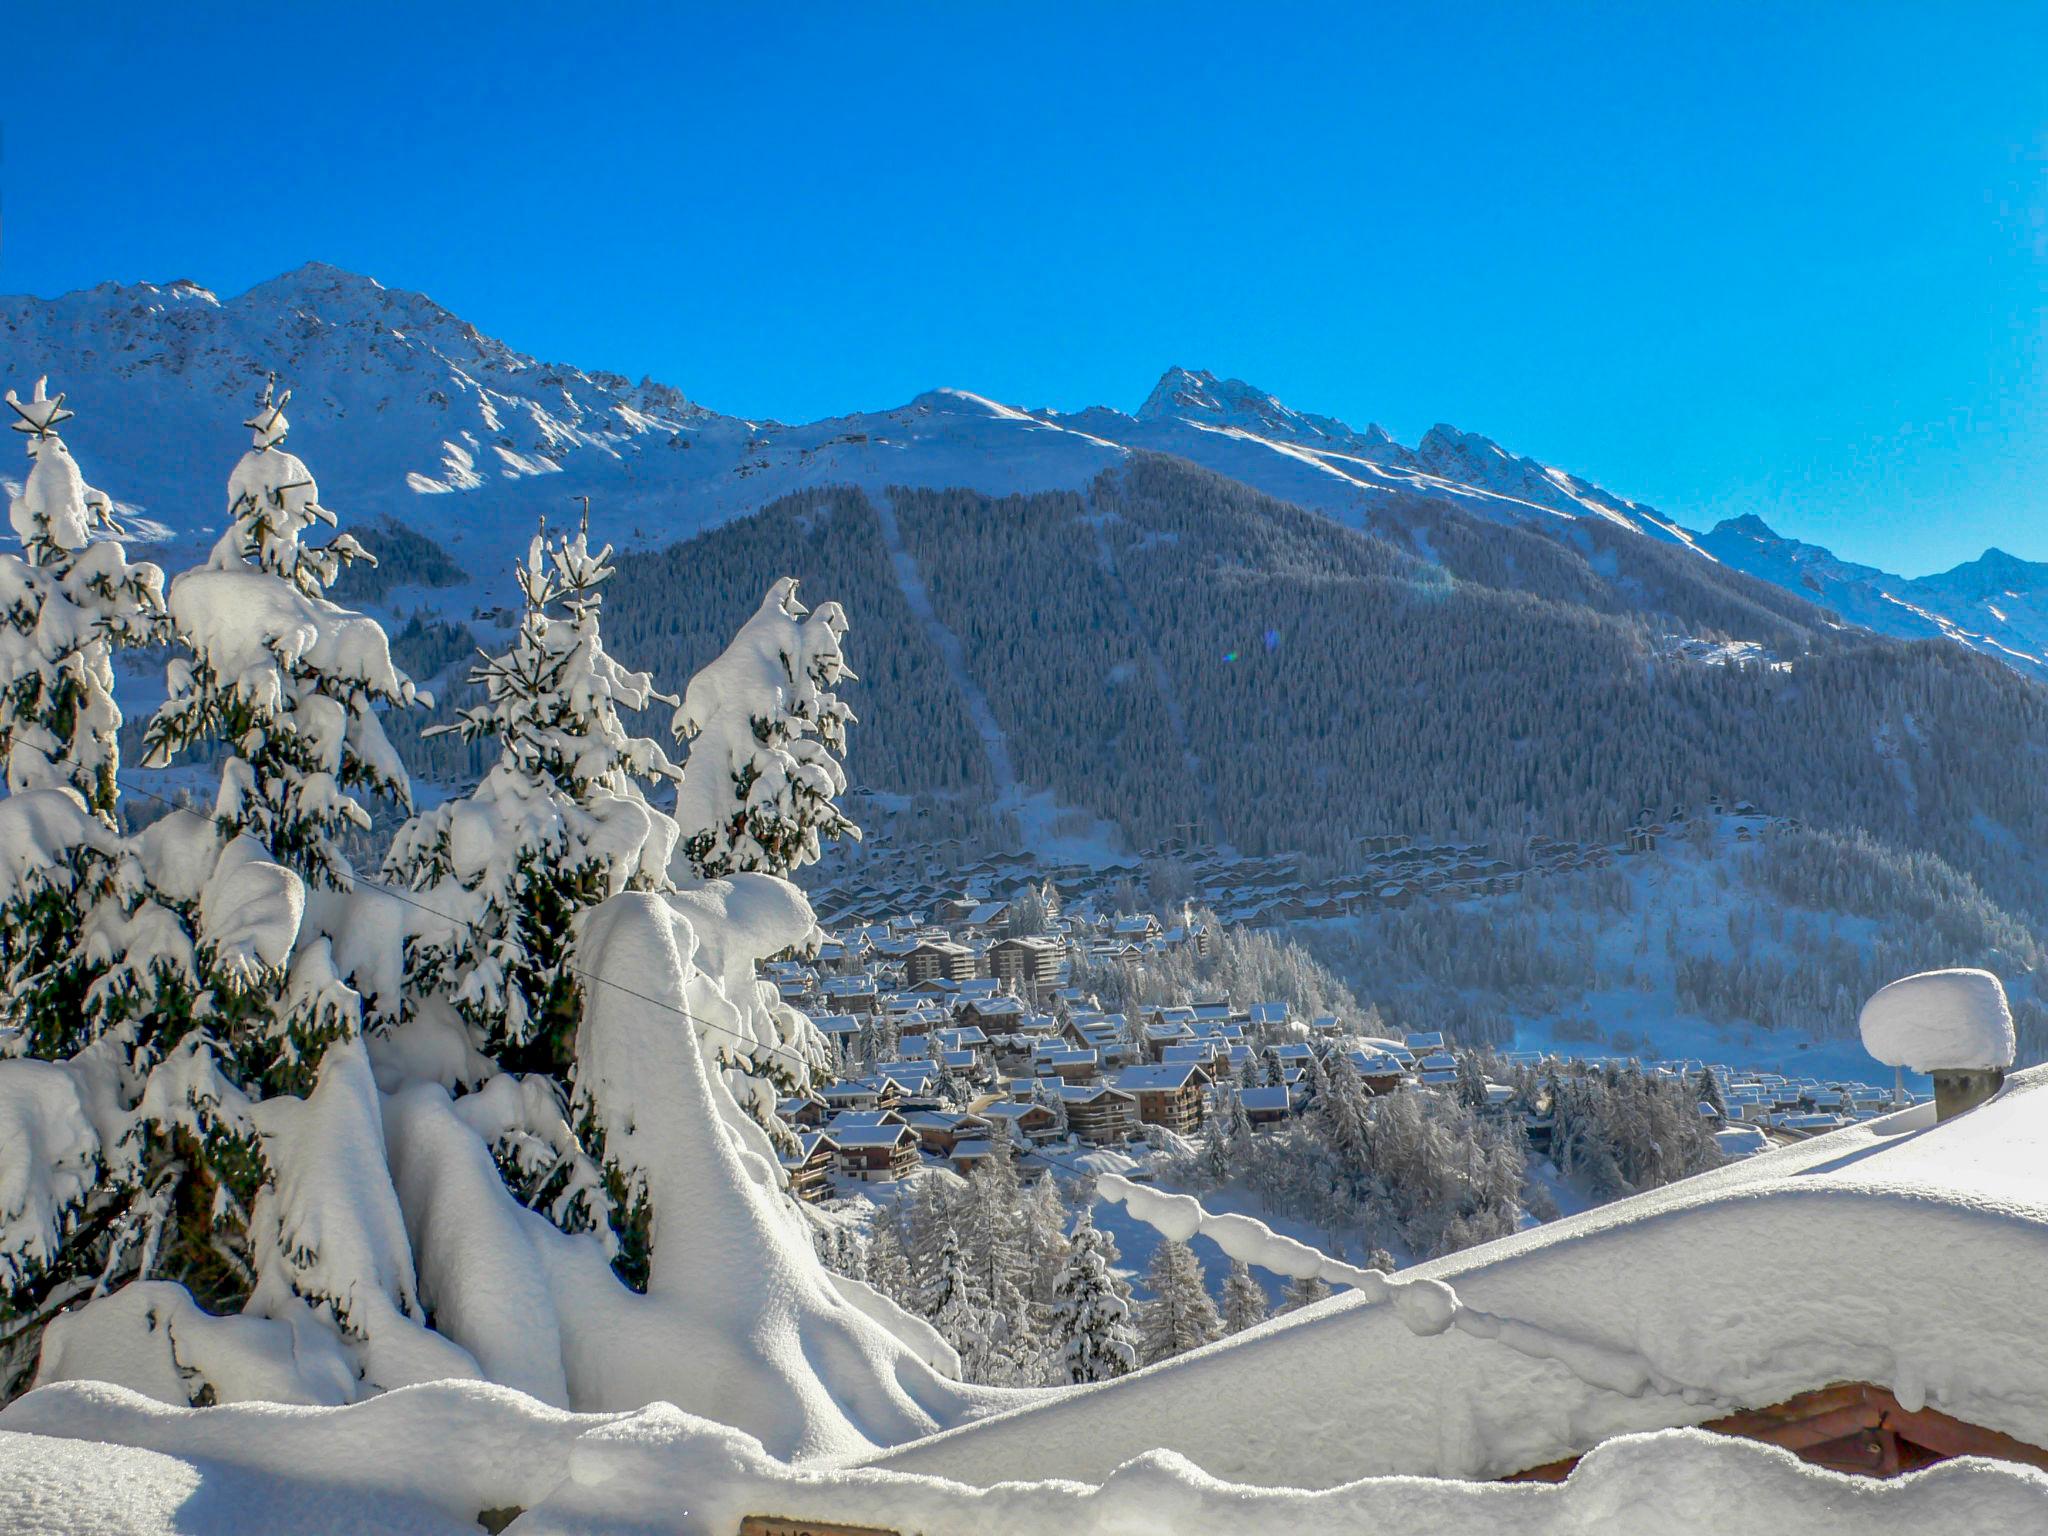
(1897, 1252)
(1166, 1075)
(868, 1135)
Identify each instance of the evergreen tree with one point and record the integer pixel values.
(65, 603)
(1244, 1299)
(1304, 1293)
(69, 601)
(1707, 1091)
(560, 821)
(1180, 1316)
(288, 681)
(1092, 1333)
(766, 732)
(959, 1311)
(1344, 1114)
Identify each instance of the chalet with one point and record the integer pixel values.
(1002, 1014)
(875, 1154)
(968, 1155)
(1136, 928)
(1266, 1106)
(802, 1109)
(939, 1131)
(1066, 1063)
(809, 1167)
(849, 994)
(1211, 1053)
(1379, 1071)
(861, 1093)
(1290, 1054)
(913, 1079)
(1099, 1114)
(1169, 1096)
(1158, 1037)
(1034, 1122)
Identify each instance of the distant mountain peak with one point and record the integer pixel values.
(1198, 395)
(1749, 526)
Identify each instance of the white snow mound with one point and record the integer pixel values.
(1940, 1019)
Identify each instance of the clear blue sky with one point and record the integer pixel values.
(1786, 260)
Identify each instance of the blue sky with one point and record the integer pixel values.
(1785, 260)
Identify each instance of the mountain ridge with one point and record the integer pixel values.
(400, 403)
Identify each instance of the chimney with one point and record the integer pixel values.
(1953, 1025)
(1958, 1089)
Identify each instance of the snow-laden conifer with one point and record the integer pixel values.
(1091, 1311)
(767, 731)
(1244, 1299)
(66, 601)
(559, 823)
(1180, 1316)
(287, 680)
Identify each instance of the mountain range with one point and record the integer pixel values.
(1214, 619)
(414, 417)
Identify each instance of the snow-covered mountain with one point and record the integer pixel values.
(1997, 603)
(410, 413)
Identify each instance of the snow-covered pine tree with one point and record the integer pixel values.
(65, 603)
(957, 1309)
(766, 733)
(288, 681)
(1707, 1090)
(69, 601)
(1180, 1316)
(1219, 1155)
(1244, 1299)
(1304, 1293)
(998, 1268)
(560, 821)
(1091, 1324)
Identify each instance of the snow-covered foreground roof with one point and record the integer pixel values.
(428, 1459)
(1898, 1252)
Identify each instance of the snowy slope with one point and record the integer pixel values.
(406, 411)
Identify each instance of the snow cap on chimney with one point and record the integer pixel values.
(1954, 1025)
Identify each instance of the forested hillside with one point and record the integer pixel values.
(1172, 647)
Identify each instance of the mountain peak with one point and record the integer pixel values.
(1179, 389)
(1197, 395)
(1748, 526)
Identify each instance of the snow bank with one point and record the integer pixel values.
(1940, 1019)
(430, 1458)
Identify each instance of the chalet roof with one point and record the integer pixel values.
(861, 1120)
(1162, 1078)
(864, 1137)
(1899, 1252)
(1088, 1093)
(809, 1143)
(1264, 1098)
